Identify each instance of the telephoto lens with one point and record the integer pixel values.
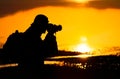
(54, 28)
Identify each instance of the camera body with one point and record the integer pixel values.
(54, 28)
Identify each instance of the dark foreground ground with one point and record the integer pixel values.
(55, 72)
(101, 67)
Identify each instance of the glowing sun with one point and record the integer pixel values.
(81, 1)
(83, 48)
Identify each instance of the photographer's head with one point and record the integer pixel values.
(41, 25)
(41, 20)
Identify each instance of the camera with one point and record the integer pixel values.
(54, 28)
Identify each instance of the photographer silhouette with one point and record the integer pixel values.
(31, 50)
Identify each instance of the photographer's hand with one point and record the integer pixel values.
(51, 29)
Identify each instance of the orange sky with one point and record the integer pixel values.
(100, 27)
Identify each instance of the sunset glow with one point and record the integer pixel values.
(59, 39)
(81, 1)
(83, 48)
(96, 20)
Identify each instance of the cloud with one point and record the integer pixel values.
(104, 4)
(11, 6)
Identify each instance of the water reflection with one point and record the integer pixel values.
(86, 62)
(74, 56)
(8, 65)
(58, 63)
(62, 63)
(77, 65)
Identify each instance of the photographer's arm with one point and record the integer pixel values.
(50, 45)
